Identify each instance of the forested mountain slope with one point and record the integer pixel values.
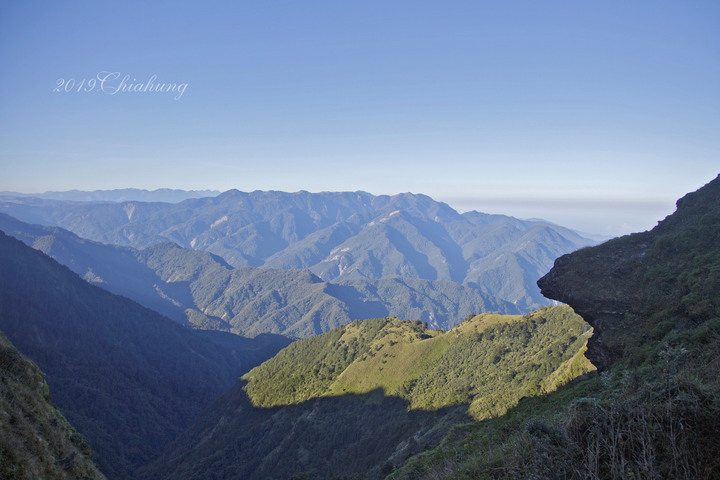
(200, 289)
(35, 439)
(126, 377)
(338, 236)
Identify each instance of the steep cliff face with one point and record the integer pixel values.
(599, 284)
(640, 286)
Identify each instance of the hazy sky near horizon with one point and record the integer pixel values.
(594, 115)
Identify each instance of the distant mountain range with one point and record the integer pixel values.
(340, 237)
(130, 380)
(119, 195)
(200, 289)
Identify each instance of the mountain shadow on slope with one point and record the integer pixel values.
(126, 377)
(333, 437)
(358, 400)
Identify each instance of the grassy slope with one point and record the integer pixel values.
(357, 401)
(488, 362)
(644, 422)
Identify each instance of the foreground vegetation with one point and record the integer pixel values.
(625, 423)
(654, 411)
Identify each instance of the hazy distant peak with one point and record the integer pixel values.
(166, 195)
(233, 192)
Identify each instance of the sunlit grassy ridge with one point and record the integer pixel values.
(488, 362)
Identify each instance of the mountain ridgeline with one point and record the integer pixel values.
(347, 236)
(130, 380)
(431, 369)
(201, 290)
(361, 398)
(119, 195)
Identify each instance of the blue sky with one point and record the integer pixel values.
(595, 115)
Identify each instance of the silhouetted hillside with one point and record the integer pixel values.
(126, 377)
